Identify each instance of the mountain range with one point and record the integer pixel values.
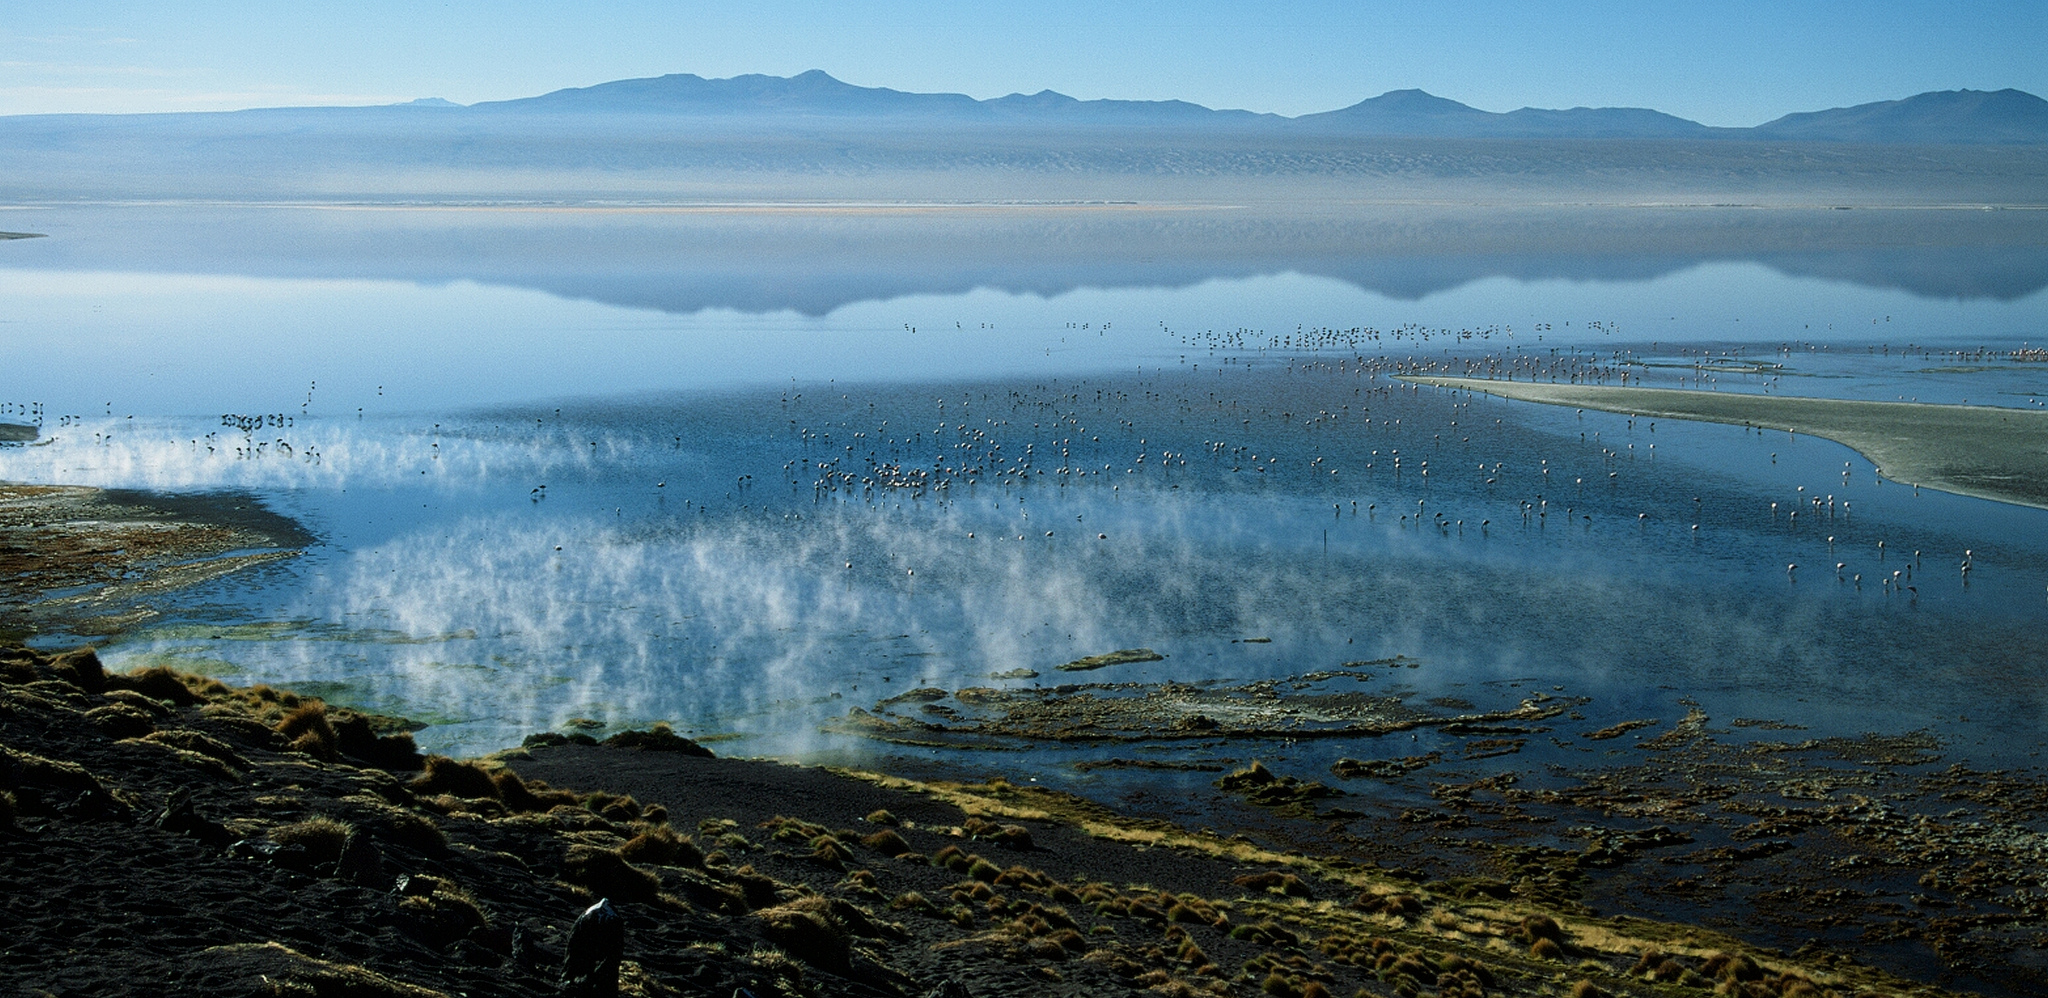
(811, 137)
(1940, 117)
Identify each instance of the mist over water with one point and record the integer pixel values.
(536, 505)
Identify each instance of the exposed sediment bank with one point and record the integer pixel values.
(98, 561)
(1986, 452)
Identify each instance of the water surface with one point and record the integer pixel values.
(744, 471)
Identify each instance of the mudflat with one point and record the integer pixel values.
(98, 561)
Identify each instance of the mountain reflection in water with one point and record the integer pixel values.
(814, 259)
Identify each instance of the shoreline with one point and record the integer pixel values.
(1983, 452)
(1673, 840)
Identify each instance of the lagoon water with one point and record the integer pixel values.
(640, 464)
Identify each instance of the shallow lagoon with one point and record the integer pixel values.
(698, 555)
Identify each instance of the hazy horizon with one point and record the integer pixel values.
(436, 100)
(1735, 65)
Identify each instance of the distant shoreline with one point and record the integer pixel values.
(1985, 452)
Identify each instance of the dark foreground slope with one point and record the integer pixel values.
(168, 834)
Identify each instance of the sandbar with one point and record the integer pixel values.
(1986, 452)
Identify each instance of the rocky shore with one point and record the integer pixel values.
(168, 834)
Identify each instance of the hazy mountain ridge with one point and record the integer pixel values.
(814, 138)
(818, 94)
(1941, 117)
(1948, 116)
(816, 99)
(1418, 114)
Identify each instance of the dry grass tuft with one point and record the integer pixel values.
(200, 742)
(613, 807)
(129, 698)
(1274, 881)
(805, 929)
(887, 842)
(322, 837)
(168, 685)
(828, 850)
(516, 794)
(1537, 927)
(395, 825)
(357, 738)
(308, 731)
(80, 668)
(607, 874)
(661, 846)
(1012, 836)
(442, 775)
(118, 720)
(437, 910)
(1726, 967)
(914, 901)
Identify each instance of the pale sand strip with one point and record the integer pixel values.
(1972, 450)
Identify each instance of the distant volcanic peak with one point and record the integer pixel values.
(1043, 100)
(1417, 112)
(813, 91)
(1413, 101)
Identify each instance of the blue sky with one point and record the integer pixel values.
(1737, 63)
